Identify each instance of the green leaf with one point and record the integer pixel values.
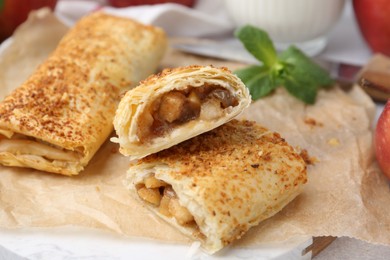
(303, 68)
(249, 72)
(305, 91)
(301, 76)
(258, 43)
(258, 80)
(1, 4)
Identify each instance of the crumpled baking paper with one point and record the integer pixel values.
(346, 195)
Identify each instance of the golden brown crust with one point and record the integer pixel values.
(230, 178)
(245, 151)
(70, 100)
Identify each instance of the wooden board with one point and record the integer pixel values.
(319, 244)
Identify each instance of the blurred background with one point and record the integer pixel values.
(355, 28)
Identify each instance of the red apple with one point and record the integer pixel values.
(15, 12)
(125, 3)
(373, 17)
(382, 140)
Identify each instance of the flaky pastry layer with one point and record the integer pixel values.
(176, 105)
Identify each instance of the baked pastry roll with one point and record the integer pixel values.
(176, 105)
(216, 186)
(57, 119)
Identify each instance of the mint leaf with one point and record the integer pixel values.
(304, 68)
(292, 69)
(258, 80)
(305, 91)
(258, 43)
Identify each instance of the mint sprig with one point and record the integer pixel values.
(291, 69)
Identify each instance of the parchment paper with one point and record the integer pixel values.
(346, 195)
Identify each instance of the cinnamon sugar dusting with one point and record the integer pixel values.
(71, 98)
(234, 169)
(236, 145)
(232, 152)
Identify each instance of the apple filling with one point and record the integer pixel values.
(160, 195)
(177, 107)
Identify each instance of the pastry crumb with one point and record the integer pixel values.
(309, 160)
(312, 122)
(334, 142)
